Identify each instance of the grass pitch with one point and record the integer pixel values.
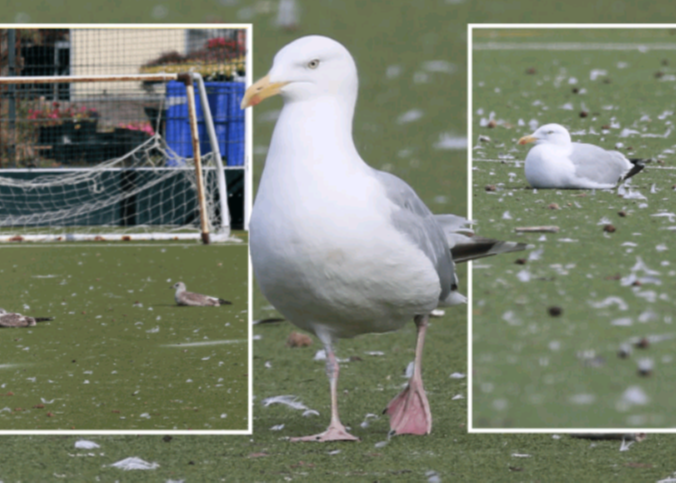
(381, 34)
(532, 369)
(119, 353)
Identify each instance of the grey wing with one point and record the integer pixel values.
(197, 299)
(456, 228)
(418, 223)
(12, 320)
(597, 164)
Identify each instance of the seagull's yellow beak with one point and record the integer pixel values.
(261, 90)
(527, 139)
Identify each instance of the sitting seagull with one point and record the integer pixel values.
(339, 248)
(10, 319)
(557, 162)
(195, 299)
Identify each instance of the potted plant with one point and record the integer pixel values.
(69, 121)
(61, 126)
(219, 59)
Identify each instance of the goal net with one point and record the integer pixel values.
(126, 156)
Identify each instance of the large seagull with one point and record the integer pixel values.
(339, 248)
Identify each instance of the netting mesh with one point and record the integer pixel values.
(120, 149)
(132, 194)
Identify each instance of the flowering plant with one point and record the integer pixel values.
(221, 43)
(138, 126)
(54, 113)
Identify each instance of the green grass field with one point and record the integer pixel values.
(531, 369)
(119, 354)
(381, 35)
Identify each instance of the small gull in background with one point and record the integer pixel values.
(195, 299)
(12, 319)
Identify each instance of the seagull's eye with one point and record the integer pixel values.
(313, 64)
(550, 132)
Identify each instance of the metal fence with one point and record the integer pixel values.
(69, 124)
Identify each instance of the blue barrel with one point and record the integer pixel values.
(235, 142)
(224, 100)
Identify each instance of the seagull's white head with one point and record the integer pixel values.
(179, 286)
(549, 133)
(2, 311)
(306, 69)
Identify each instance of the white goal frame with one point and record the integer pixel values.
(191, 80)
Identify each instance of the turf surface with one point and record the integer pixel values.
(119, 354)
(380, 34)
(532, 369)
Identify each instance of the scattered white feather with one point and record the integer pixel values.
(635, 396)
(596, 73)
(624, 446)
(291, 401)
(669, 479)
(320, 355)
(449, 141)
(134, 463)
(670, 216)
(410, 116)
(365, 423)
(442, 66)
(524, 276)
(608, 301)
(583, 399)
(85, 444)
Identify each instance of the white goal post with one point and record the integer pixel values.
(151, 181)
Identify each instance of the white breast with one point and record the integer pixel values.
(548, 166)
(332, 258)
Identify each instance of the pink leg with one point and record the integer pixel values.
(409, 411)
(336, 431)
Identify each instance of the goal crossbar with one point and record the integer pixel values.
(50, 79)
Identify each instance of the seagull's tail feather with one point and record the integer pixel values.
(638, 165)
(268, 321)
(224, 302)
(479, 247)
(466, 246)
(43, 319)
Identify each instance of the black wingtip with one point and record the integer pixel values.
(484, 247)
(639, 164)
(224, 302)
(43, 319)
